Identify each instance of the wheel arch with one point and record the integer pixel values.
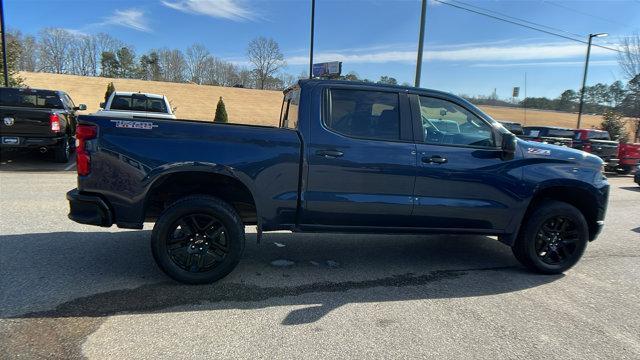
(579, 195)
(184, 180)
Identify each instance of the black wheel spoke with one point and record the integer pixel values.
(196, 242)
(556, 240)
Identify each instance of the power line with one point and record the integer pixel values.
(520, 24)
(518, 19)
(584, 13)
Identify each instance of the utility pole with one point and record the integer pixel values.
(313, 16)
(524, 102)
(5, 66)
(423, 15)
(584, 76)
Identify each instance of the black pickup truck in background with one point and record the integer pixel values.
(38, 119)
(548, 135)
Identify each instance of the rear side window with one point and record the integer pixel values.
(30, 98)
(363, 114)
(137, 102)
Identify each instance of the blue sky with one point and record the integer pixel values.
(464, 52)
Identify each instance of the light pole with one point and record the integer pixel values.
(313, 18)
(584, 77)
(5, 66)
(423, 14)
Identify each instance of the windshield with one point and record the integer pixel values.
(44, 99)
(138, 102)
(599, 135)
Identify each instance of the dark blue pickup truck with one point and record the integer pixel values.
(347, 157)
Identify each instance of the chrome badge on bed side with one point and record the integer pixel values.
(538, 151)
(126, 124)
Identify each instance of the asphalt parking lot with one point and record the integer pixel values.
(74, 291)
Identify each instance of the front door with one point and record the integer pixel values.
(461, 180)
(361, 160)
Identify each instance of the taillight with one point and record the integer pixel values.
(83, 159)
(54, 120)
(586, 147)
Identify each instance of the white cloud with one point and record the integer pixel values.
(547, 63)
(225, 9)
(456, 52)
(131, 18)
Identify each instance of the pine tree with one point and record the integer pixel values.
(613, 123)
(110, 90)
(221, 112)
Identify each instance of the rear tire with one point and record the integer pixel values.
(552, 239)
(624, 170)
(62, 152)
(198, 239)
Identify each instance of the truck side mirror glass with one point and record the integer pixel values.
(508, 146)
(81, 107)
(102, 105)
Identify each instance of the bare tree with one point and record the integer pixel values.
(196, 58)
(28, 51)
(172, 65)
(54, 48)
(629, 57)
(266, 58)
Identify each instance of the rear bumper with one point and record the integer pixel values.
(611, 162)
(90, 209)
(629, 161)
(29, 141)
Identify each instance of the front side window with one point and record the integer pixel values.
(444, 122)
(363, 114)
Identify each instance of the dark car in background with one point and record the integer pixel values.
(599, 143)
(549, 135)
(38, 119)
(514, 127)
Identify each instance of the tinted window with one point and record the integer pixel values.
(30, 98)
(599, 135)
(290, 109)
(444, 122)
(560, 133)
(364, 114)
(137, 102)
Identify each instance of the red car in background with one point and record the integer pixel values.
(621, 158)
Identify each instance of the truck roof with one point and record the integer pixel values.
(129, 93)
(307, 82)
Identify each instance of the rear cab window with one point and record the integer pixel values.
(45, 99)
(290, 108)
(138, 102)
(599, 135)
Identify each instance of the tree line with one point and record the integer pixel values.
(61, 51)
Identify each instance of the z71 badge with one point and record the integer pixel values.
(537, 151)
(126, 124)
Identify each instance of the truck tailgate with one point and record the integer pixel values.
(24, 121)
(605, 149)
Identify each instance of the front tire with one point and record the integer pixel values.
(198, 240)
(553, 238)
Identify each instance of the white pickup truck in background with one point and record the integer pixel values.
(124, 104)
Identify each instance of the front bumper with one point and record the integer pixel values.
(90, 209)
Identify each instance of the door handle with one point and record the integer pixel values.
(329, 153)
(435, 159)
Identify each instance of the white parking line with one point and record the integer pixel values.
(70, 166)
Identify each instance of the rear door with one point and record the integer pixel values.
(461, 182)
(361, 159)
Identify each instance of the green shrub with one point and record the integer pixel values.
(221, 112)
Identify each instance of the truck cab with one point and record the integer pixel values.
(123, 104)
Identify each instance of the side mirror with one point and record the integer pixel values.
(443, 112)
(102, 105)
(508, 146)
(81, 107)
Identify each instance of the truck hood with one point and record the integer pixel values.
(533, 150)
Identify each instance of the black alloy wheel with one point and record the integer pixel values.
(556, 240)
